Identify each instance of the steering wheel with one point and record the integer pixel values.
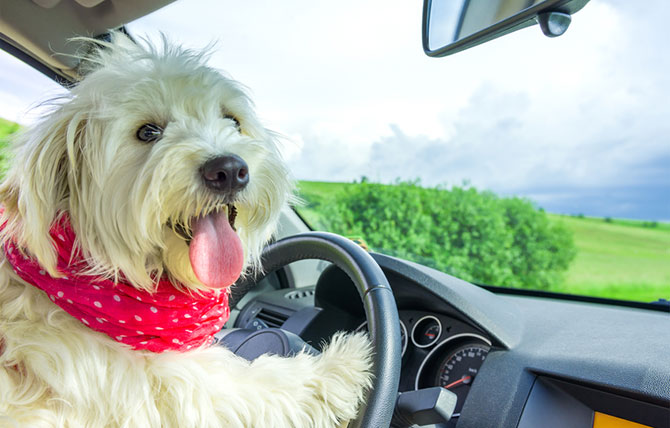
(378, 301)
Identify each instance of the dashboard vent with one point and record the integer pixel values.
(271, 318)
(299, 294)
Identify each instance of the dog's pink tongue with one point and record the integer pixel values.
(215, 251)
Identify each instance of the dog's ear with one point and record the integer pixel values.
(48, 159)
(37, 187)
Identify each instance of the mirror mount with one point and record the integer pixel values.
(450, 26)
(554, 24)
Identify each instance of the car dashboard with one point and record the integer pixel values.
(512, 361)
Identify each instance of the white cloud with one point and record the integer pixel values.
(349, 83)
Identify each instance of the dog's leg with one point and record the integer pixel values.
(68, 373)
(213, 387)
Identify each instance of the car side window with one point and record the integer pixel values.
(22, 89)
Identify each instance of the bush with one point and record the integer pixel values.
(474, 235)
(7, 128)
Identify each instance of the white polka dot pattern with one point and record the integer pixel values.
(159, 321)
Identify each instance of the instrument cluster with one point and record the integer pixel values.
(439, 350)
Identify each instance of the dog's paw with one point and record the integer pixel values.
(345, 365)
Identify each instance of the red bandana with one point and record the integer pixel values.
(166, 320)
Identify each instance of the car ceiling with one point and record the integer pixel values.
(40, 29)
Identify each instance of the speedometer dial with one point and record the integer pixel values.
(459, 369)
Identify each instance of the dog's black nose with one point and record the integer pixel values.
(225, 173)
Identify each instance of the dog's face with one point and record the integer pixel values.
(160, 163)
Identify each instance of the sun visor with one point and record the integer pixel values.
(41, 28)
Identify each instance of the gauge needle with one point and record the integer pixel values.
(464, 379)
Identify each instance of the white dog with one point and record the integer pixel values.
(128, 211)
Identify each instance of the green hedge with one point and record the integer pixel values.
(474, 235)
(7, 128)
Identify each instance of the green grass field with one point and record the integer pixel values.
(620, 259)
(6, 128)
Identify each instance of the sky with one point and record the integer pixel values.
(579, 124)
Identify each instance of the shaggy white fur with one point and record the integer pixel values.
(125, 199)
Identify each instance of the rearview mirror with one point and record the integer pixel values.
(450, 26)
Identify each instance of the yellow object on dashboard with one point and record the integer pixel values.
(360, 241)
(601, 420)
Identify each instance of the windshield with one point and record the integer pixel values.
(524, 162)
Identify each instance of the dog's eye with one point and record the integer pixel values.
(234, 119)
(149, 133)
